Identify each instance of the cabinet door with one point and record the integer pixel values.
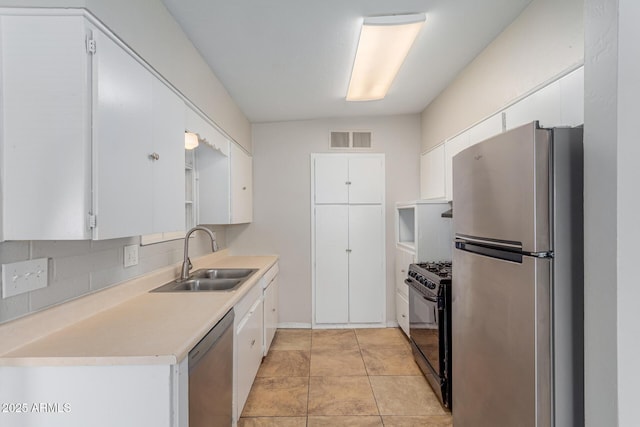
(451, 148)
(270, 313)
(331, 174)
(402, 312)
(432, 184)
(249, 336)
(403, 259)
(241, 186)
(45, 117)
(122, 133)
(543, 105)
(366, 178)
(366, 264)
(331, 264)
(168, 170)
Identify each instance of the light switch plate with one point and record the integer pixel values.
(24, 276)
(130, 255)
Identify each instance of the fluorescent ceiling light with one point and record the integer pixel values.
(384, 44)
(190, 140)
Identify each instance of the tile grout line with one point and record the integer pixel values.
(369, 379)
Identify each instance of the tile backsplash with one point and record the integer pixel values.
(80, 267)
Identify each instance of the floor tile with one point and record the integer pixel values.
(418, 421)
(405, 395)
(334, 338)
(283, 396)
(334, 362)
(341, 396)
(370, 338)
(353, 421)
(291, 339)
(273, 422)
(391, 360)
(285, 363)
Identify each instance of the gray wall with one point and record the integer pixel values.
(282, 197)
(544, 42)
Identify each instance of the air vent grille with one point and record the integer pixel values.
(350, 140)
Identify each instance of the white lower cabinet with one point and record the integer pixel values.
(404, 257)
(97, 396)
(402, 312)
(248, 346)
(270, 306)
(349, 264)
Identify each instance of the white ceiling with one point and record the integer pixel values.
(291, 59)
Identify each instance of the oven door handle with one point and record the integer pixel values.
(432, 299)
(412, 283)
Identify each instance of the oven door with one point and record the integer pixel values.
(427, 340)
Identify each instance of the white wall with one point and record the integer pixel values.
(282, 197)
(543, 43)
(148, 28)
(612, 209)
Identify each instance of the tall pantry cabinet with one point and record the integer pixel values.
(348, 238)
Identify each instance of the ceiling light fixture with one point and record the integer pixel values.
(190, 140)
(384, 44)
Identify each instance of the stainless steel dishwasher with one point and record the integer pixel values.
(211, 377)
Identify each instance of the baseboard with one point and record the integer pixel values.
(294, 325)
(392, 324)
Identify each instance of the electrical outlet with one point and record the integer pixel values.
(25, 276)
(130, 255)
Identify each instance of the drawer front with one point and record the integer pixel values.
(243, 306)
(402, 312)
(249, 355)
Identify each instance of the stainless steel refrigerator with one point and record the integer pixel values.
(518, 280)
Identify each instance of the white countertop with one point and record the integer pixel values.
(134, 326)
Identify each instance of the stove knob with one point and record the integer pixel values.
(431, 285)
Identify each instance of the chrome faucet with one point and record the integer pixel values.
(186, 264)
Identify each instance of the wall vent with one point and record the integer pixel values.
(350, 140)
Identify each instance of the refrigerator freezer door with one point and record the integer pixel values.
(501, 341)
(501, 189)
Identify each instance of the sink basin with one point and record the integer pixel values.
(212, 279)
(224, 273)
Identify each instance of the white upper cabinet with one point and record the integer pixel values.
(122, 142)
(341, 178)
(168, 170)
(92, 140)
(241, 186)
(44, 137)
(138, 140)
(560, 103)
(432, 181)
(483, 130)
(225, 184)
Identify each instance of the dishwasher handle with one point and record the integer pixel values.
(210, 339)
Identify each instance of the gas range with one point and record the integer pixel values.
(431, 275)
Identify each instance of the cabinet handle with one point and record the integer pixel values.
(402, 271)
(253, 342)
(348, 183)
(348, 251)
(244, 188)
(404, 315)
(154, 156)
(273, 309)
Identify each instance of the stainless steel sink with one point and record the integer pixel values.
(212, 279)
(224, 273)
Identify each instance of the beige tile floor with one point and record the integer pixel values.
(345, 377)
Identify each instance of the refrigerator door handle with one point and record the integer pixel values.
(507, 245)
(489, 251)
